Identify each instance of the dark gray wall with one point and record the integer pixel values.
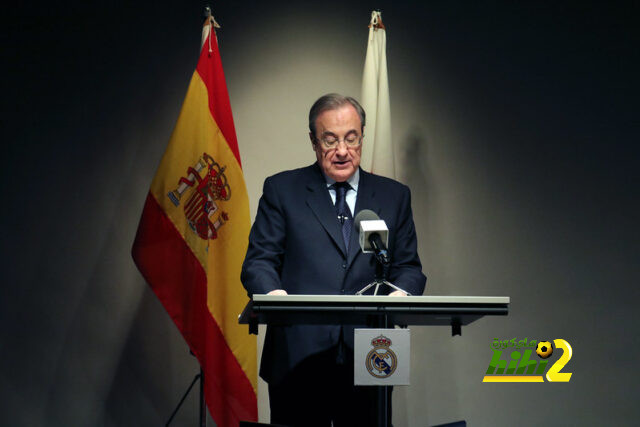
(516, 126)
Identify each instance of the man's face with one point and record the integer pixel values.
(341, 162)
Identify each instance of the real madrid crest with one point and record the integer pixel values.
(204, 185)
(381, 361)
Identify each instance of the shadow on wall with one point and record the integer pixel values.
(153, 371)
(414, 155)
(417, 174)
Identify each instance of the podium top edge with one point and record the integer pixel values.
(348, 299)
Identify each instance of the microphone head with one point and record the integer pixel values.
(364, 215)
(368, 223)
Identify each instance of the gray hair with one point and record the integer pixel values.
(333, 101)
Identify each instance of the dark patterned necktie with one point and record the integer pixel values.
(343, 211)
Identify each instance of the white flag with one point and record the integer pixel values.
(377, 152)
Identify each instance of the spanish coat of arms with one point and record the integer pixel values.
(204, 185)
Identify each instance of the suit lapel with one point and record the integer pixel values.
(319, 200)
(364, 200)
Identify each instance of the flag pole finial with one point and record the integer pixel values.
(208, 27)
(209, 17)
(376, 20)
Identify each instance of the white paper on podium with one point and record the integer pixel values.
(382, 357)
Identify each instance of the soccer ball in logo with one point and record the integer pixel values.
(544, 349)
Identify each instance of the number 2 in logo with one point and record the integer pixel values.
(554, 374)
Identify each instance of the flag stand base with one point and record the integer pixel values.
(203, 411)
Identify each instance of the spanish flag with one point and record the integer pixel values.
(193, 236)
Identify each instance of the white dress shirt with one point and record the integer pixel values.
(351, 194)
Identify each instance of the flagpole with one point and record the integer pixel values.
(203, 406)
(203, 417)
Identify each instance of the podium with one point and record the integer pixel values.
(372, 311)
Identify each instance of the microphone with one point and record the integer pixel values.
(374, 235)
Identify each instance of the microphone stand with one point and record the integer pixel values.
(382, 275)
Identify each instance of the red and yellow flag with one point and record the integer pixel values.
(193, 236)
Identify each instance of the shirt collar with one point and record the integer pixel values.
(353, 180)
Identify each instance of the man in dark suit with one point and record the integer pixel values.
(302, 242)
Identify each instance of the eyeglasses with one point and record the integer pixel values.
(331, 141)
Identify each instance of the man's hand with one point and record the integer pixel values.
(398, 294)
(278, 292)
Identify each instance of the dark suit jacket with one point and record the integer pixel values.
(296, 244)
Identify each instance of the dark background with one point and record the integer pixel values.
(516, 126)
